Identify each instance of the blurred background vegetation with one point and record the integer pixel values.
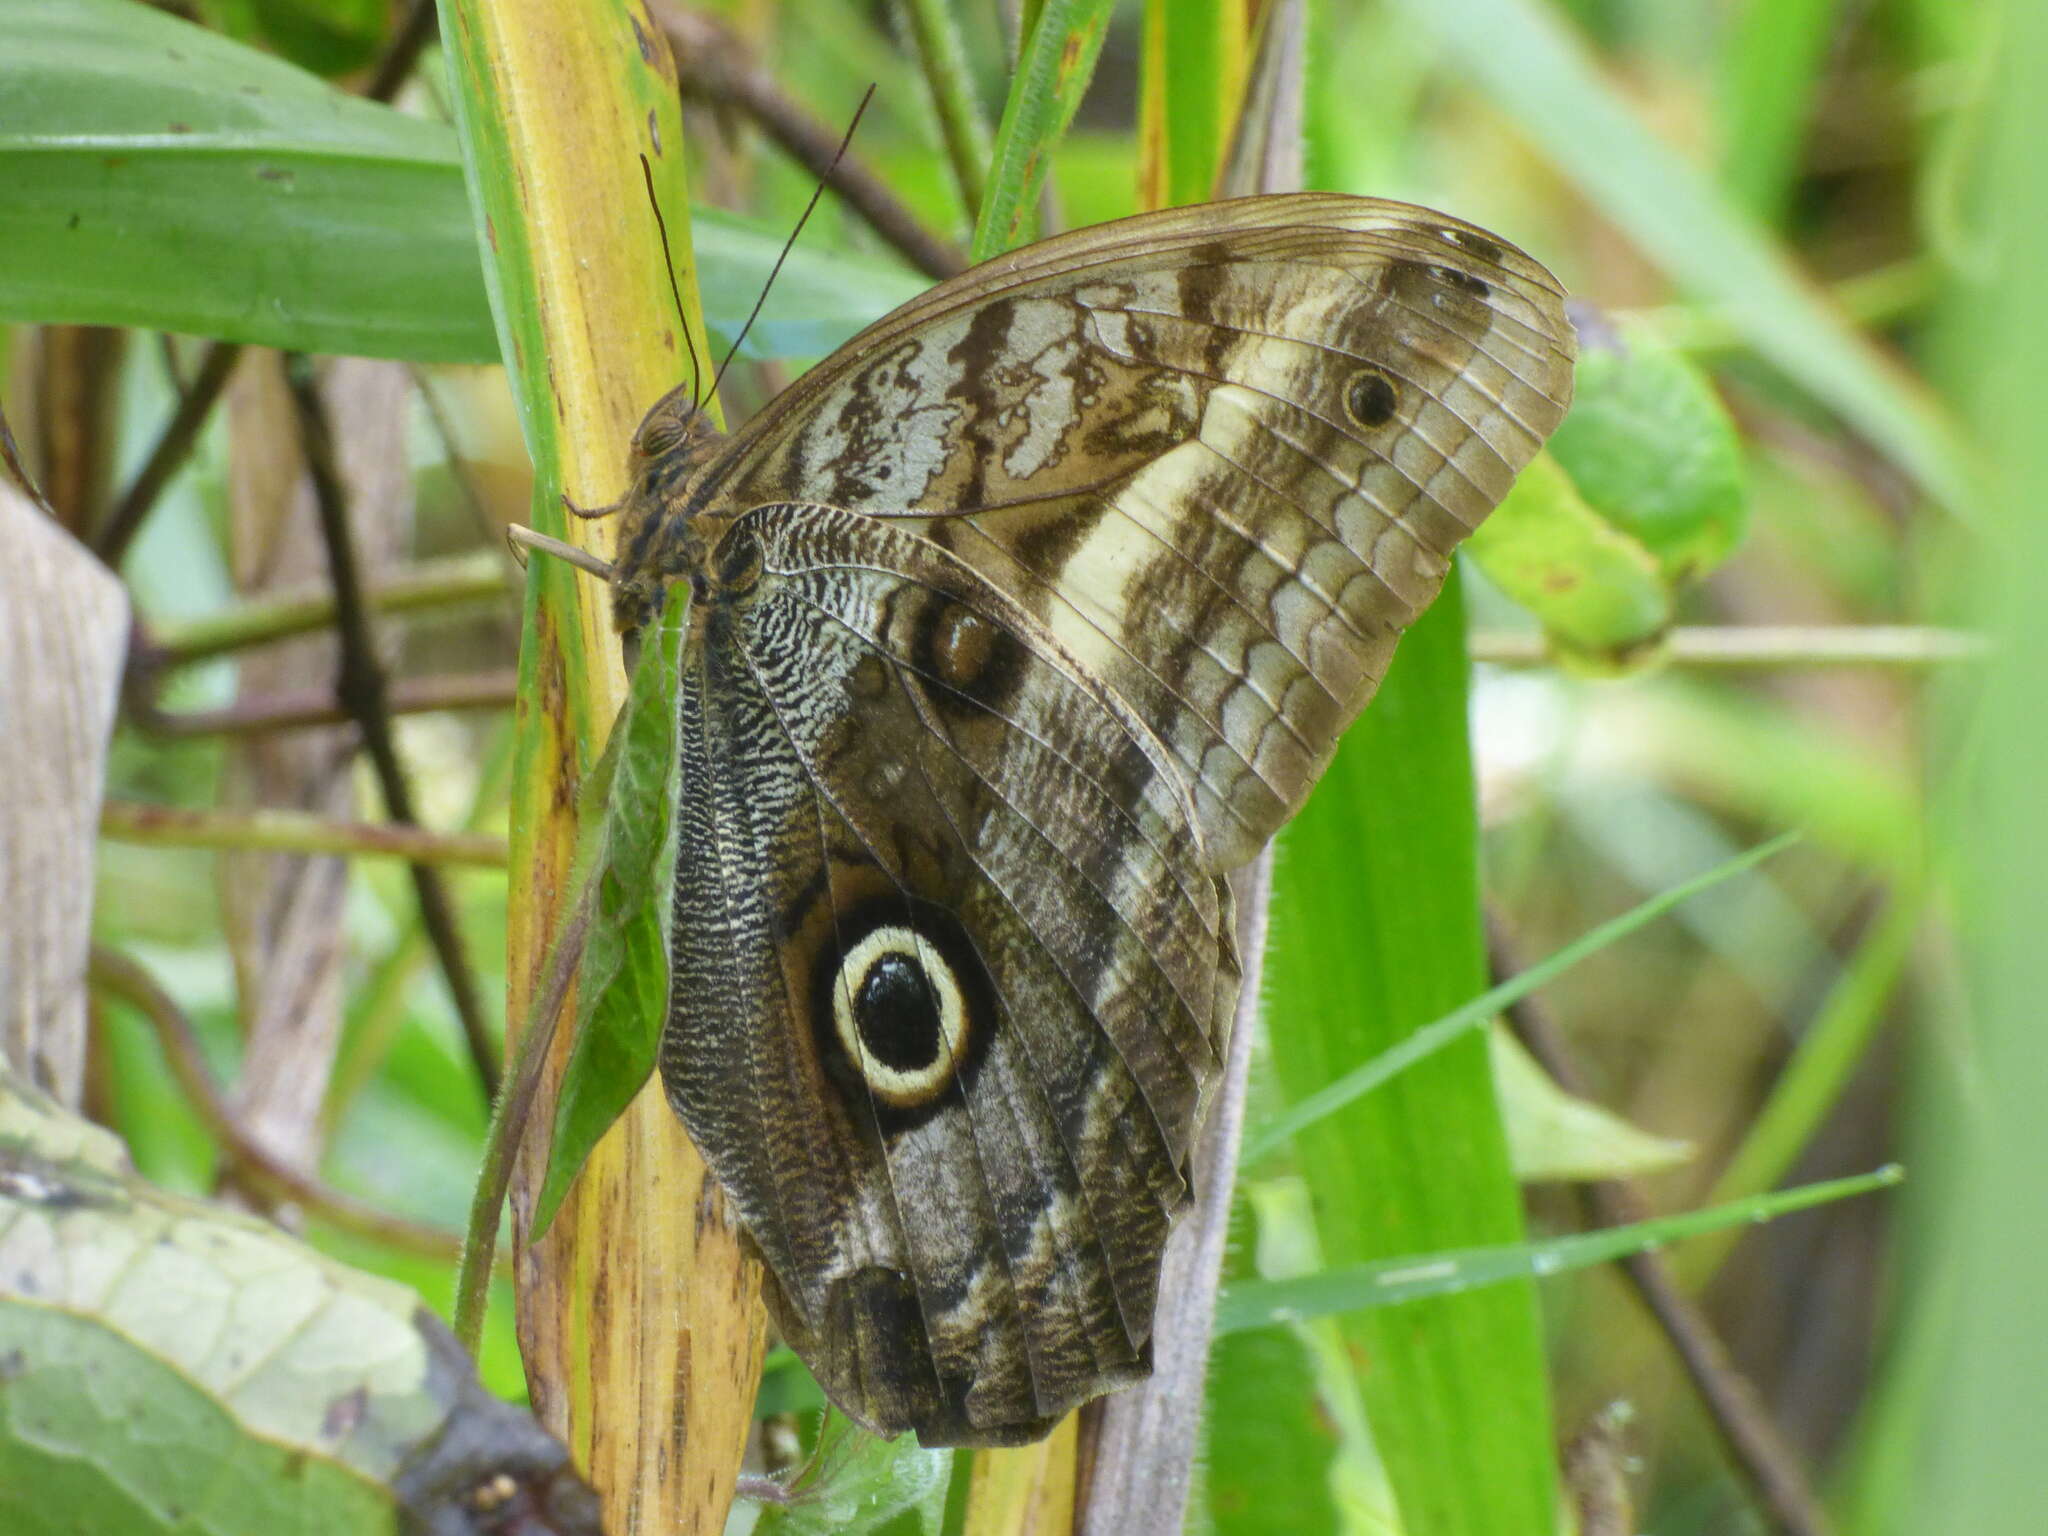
(1773, 215)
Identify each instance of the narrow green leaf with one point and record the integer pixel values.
(1053, 71)
(1195, 54)
(1811, 1085)
(622, 991)
(1257, 1303)
(935, 32)
(161, 175)
(1375, 929)
(1434, 1036)
(1533, 67)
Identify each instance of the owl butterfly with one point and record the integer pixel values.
(1015, 626)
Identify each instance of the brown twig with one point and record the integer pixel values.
(364, 692)
(276, 831)
(1752, 1437)
(298, 708)
(173, 446)
(402, 52)
(713, 63)
(117, 975)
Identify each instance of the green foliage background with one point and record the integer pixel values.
(1787, 230)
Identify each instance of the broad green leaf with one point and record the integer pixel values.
(1556, 1135)
(1057, 62)
(1653, 451)
(100, 1434)
(856, 1483)
(1386, 1283)
(1595, 589)
(622, 991)
(168, 1366)
(164, 176)
(1533, 67)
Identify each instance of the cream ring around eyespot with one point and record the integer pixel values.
(901, 1086)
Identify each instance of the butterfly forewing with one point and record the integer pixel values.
(1021, 620)
(1223, 453)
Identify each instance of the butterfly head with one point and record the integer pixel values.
(657, 542)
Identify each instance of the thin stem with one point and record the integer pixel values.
(1831, 1049)
(277, 831)
(936, 36)
(363, 691)
(452, 581)
(298, 708)
(509, 1118)
(1752, 1437)
(1767, 645)
(172, 448)
(714, 63)
(116, 975)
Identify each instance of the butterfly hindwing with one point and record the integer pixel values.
(947, 969)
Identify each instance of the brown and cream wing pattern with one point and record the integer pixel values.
(949, 976)
(1223, 454)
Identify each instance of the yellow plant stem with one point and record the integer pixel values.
(638, 1315)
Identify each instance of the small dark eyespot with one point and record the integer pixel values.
(1463, 281)
(1371, 398)
(1478, 245)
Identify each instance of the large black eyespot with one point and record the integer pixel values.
(902, 1008)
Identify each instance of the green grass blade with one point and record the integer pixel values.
(1375, 930)
(1258, 1303)
(1830, 1052)
(1441, 1032)
(935, 33)
(1196, 53)
(1053, 71)
(1981, 1431)
(1774, 53)
(1523, 56)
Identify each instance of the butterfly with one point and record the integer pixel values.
(1015, 626)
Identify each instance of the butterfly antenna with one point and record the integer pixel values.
(816, 193)
(675, 291)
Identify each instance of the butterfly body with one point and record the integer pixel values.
(1016, 625)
